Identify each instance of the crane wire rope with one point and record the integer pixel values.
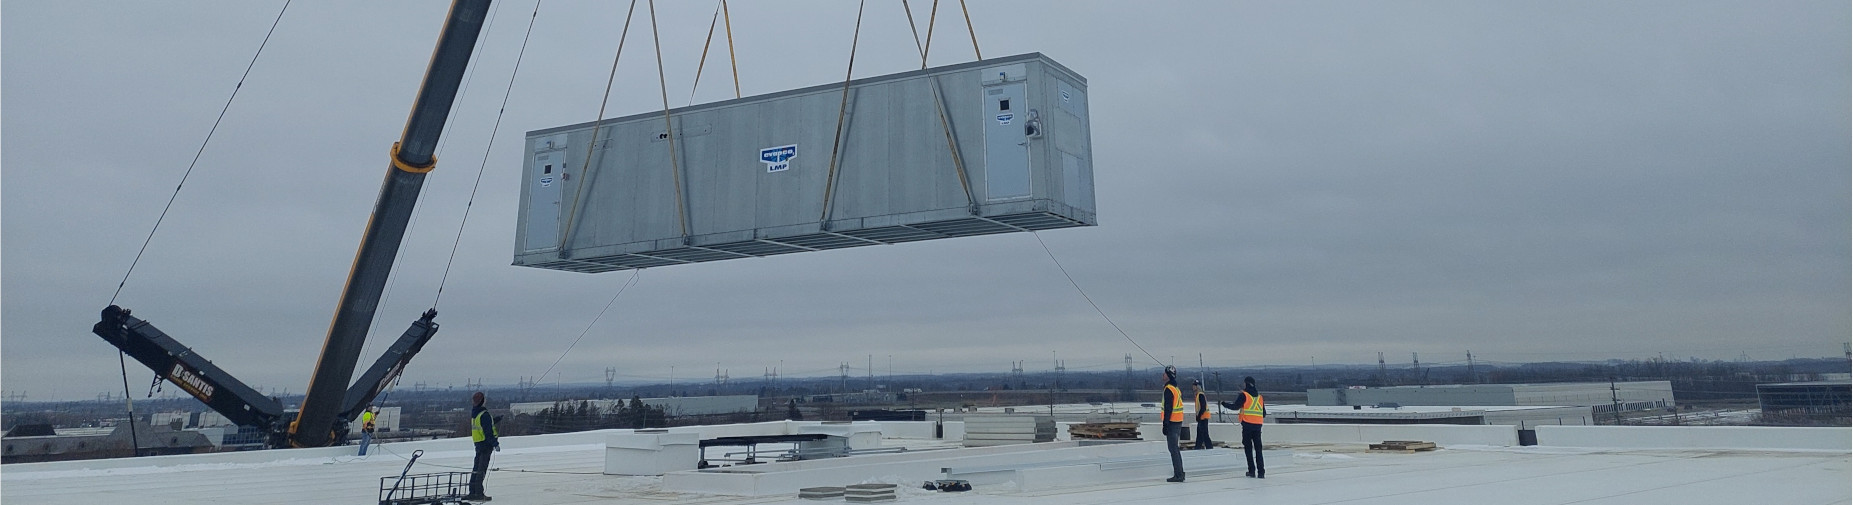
(1090, 299)
(635, 274)
(486, 150)
(121, 358)
(572, 211)
(932, 16)
(841, 111)
(669, 127)
(201, 151)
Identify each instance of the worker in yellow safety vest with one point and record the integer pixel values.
(483, 433)
(1173, 413)
(1203, 415)
(1253, 410)
(366, 428)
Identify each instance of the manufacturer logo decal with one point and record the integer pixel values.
(1064, 95)
(778, 159)
(546, 181)
(1004, 119)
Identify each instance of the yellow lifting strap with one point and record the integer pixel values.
(402, 165)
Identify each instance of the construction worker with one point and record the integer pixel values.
(366, 427)
(1253, 410)
(1173, 414)
(1203, 415)
(483, 432)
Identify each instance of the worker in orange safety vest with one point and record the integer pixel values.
(1203, 415)
(1253, 410)
(1173, 414)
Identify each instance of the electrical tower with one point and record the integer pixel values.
(1471, 377)
(844, 370)
(611, 375)
(1016, 373)
(1383, 372)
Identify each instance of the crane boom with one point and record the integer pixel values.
(412, 157)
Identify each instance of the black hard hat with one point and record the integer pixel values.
(1196, 382)
(1248, 380)
(1170, 370)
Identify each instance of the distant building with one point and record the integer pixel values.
(154, 440)
(1822, 398)
(1634, 395)
(672, 407)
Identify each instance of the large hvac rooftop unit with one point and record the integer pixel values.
(991, 146)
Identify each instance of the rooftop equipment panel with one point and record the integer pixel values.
(991, 146)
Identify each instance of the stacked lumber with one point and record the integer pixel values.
(1104, 431)
(1406, 446)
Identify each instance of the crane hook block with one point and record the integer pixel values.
(396, 163)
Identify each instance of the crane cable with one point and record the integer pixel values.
(201, 151)
(572, 210)
(1090, 300)
(121, 358)
(486, 150)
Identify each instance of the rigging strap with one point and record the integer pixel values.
(669, 127)
(572, 211)
(841, 112)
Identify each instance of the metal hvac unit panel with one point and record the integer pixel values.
(753, 177)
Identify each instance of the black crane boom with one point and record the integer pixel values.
(412, 157)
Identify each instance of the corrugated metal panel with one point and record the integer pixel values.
(753, 177)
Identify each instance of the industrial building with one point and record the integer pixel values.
(1600, 396)
(672, 407)
(1821, 398)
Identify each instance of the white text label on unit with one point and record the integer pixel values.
(778, 159)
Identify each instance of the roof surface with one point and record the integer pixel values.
(567, 469)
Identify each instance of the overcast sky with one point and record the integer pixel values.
(1277, 182)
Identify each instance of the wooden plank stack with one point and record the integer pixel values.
(1404, 446)
(1104, 431)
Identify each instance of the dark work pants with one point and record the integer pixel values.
(1251, 448)
(1172, 431)
(1203, 434)
(481, 469)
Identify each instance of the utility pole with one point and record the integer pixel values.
(871, 372)
(1126, 391)
(1615, 396)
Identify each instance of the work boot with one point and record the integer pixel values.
(1176, 478)
(476, 497)
(1251, 474)
(1261, 474)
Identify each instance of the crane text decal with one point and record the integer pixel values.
(191, 382)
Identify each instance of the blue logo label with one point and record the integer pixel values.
(778, 159)
(1005, 118)
(546, 181)
(1064, 96)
